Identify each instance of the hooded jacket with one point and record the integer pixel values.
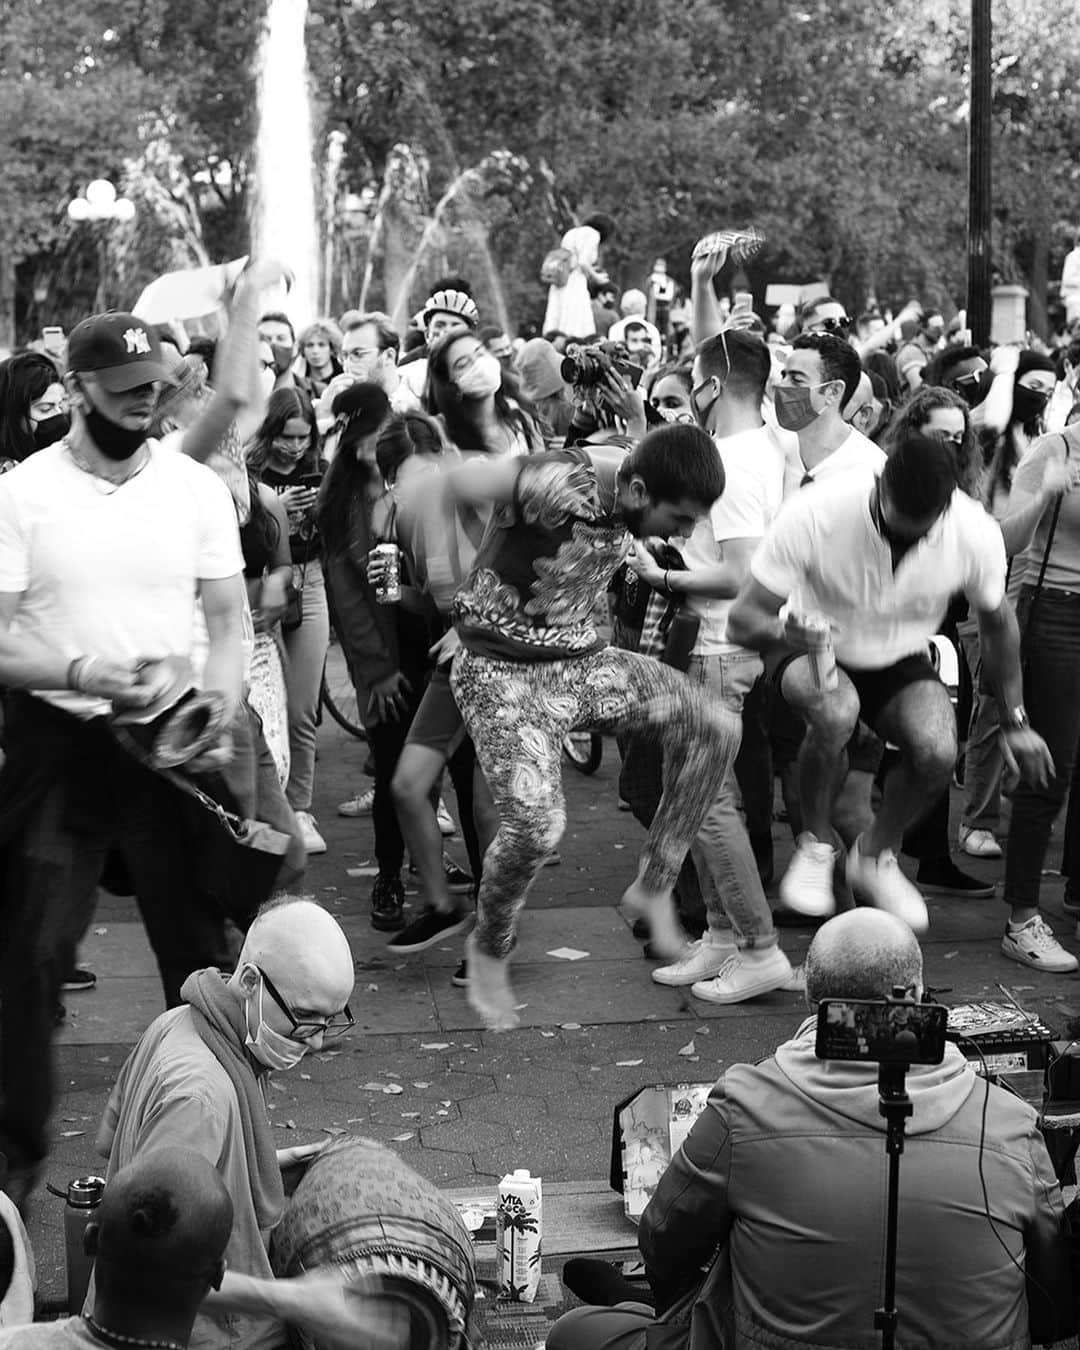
(785, 1172)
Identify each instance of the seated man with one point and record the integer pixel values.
(195, 1080)
(158, 1242)
(878, 563)
(785, 1170)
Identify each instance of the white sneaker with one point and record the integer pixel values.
(1035, 945)
(701, 961)
(360, 805)
(445, 819)
(745, 974)
(313, 840)
(807, 884)
(881, 881)
(797, 983)
(979, 843)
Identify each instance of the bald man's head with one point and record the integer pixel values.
(306, 955)
(862, 954)
(162, 1229)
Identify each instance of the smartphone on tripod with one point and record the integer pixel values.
(885, 1032)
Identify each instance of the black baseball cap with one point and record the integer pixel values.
(121, 350)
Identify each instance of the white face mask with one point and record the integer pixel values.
(482, 378)
(270, 1047)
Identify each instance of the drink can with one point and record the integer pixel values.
(388, 587)
(517, 1236)
(818, 635)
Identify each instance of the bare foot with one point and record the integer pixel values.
(489, 991)
(657, 908)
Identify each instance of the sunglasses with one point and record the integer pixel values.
(838, 326)
(304, 1030)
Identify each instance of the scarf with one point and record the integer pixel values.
(219, 1021)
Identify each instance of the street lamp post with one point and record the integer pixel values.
(101, 204)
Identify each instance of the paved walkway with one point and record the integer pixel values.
(460, 1103)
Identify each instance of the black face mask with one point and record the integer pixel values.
(113, 440)
(283, 357)
(1028, 404)
(50, 430)
(973, 389)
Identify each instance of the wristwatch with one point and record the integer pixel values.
(1016, 719)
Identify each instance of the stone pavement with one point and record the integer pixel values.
(419, 1074)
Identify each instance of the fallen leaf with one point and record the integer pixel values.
(568, 954)
(628, 1063)
(394, 1089)
(702, 1031)
(410, 1115)
(361, 871)
(333, 1129)
(400, 1138)
(547, 1033)
(372, 988)
(442, 1113)
(689, 1048)
(421, 1086)
(305, 1077)
(101, 931)
(949, 955)
(620, 846)
(435, 1045)
(571, 1026)
(71, 1134)
(445, 1103)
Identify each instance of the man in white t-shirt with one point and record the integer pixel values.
(106, 541)
(879, 562)
(738, 956)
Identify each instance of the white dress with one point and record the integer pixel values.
(569, 309)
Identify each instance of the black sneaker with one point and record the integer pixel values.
(429, 928)
(387, 903)
(458, 881)
(945, 878)
(77, 979)
(460, 977)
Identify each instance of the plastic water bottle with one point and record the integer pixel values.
(517, 1236)
(84, 1195)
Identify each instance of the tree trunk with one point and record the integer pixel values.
(7, 301)
(1040, 265)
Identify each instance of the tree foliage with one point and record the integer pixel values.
(838, 127)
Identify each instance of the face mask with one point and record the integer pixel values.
(286, 452)
(1028, 404)
(270, 1047)
(680, 416)
(283, 357)
(794, 410)
(701, 413)
(482, 378)
(113, 440)
(51, 429)
(974, 390)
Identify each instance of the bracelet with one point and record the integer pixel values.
(667, 583)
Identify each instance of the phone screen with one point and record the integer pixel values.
(311, 480)
(881, 1033)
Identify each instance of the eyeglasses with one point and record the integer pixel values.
(306, 1029)
(358, 353)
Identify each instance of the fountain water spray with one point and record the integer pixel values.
(284, 223)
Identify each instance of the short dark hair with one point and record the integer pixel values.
(676, 462)
(386, 335)
(451, 284)
(920, 477)
(741, 360)
(839, 359)
(811, 307)
(634, 326)
(936, 371)
(276, 316)
(601, 223)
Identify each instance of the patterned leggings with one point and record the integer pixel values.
(518, 714)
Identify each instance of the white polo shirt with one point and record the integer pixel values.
(112, 572)
(825, 548)
(753, 486)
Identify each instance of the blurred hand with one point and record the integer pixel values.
(263, 273)
(387, 700)
(446, 648)
(344, 1315)
(300, 1153)
(643, 564)
(118, 683)
(298, 501)
(1026, 757)
(216, 758)
(706, 266)
(741, 318)
(271, 604)
(626, 403)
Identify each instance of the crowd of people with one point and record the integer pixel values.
(739, 547)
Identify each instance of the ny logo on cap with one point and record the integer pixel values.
(137, 341)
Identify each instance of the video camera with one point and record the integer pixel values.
(881, 1032)
(584, 366)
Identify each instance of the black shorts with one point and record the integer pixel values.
(875, 688)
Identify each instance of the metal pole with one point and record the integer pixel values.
(979, 138)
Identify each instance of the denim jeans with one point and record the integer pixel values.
(1051, 657)
(721, 851)
(305, 648)
(982, 758)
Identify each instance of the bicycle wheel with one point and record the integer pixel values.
(337, 694)
(584, 750)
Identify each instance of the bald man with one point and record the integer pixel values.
(784, 1174)
(196, 1079)
(158, 1241)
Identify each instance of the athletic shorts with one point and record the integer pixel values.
(438, 724)
(875, 688)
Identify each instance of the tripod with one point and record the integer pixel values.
(895, 1105)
